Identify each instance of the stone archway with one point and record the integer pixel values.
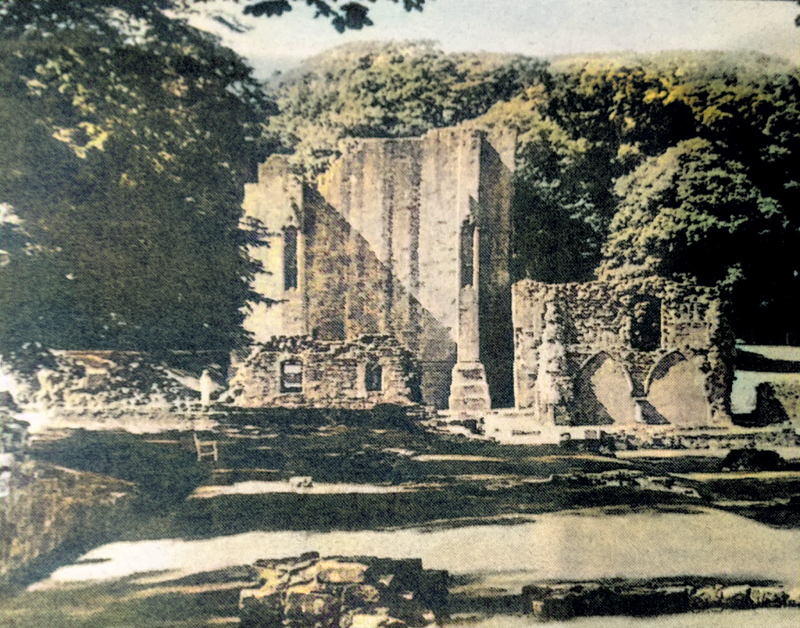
(602, 391)
(676, 389)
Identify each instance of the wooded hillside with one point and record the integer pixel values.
(127, 138)
(678, 164)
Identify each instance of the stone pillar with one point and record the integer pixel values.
(469, 390)
(301, 311)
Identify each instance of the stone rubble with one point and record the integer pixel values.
(343, 592)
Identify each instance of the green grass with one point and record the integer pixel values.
(164, 474)
(332, 447)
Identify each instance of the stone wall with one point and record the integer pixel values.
(644, 350)
(564, 601)
(114, 390)
(380, 250)
(332, 374)
(49, 507)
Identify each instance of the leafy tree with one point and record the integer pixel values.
(129, 137)
(388, 90)
(691, 211)
(345, 16)
(561, 206)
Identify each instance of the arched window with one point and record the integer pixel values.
(291, 376)
(646, 323)
(290, 258)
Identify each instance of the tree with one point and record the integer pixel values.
(344, 16)
(561, 206)
(131, 138)
(387, 90)
(691, 211)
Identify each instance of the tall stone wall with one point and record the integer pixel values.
(274, 204)
(644, 350)
(380, 251)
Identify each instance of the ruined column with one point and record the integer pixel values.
(469, 390)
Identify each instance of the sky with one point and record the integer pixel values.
(533, 27)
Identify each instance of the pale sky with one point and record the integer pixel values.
(533, 27)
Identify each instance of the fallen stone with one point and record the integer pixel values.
(336, 592)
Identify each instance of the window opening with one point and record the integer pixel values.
(646, 323)
(467, 253)
(291, 377)
(290, 258)
(374, 378)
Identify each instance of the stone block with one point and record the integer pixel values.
(469, 390)
(343, 592)
(336, 572)
(312, 608)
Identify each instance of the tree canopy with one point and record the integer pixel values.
(387, 90)
(127, 138)
(347, 15)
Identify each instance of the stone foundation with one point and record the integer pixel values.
(564, 601)
(355, 592)
(469, 392)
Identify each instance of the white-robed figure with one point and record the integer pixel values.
(206, 388)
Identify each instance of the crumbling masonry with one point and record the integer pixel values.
(387, 281)
(644, 350)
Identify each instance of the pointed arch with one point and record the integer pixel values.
(676, 388)
(602, 392)
(661, 367)
(594, 362)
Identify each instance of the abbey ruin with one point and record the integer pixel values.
(387, 281)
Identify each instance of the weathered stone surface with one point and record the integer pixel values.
(404, 237)
(789, 396)
(644, 350)
(330, 374)
(561, 601)
(48, 506)
(337, 592)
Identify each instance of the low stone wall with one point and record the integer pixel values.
(327, 374)
(338, 592)
(563, 601)
(48, 507)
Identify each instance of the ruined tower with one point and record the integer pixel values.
(407, 238)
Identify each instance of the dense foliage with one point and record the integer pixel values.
(126, 142)
(127, 137)
(387, 90)
(702, 153)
